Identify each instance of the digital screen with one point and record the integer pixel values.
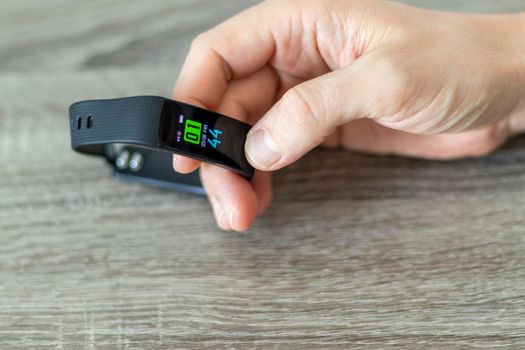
(204, 135)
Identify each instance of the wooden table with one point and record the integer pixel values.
(356, 252)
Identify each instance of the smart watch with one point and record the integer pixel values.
(138, 135)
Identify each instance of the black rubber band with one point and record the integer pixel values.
(132, 121)
(157, 123)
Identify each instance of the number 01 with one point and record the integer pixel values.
(192, 132)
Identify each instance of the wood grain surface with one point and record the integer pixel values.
(356, 252)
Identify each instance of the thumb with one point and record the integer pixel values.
(305, 116)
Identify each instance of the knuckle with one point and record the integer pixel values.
(292, 7)
(486, 141)
(490, 139)
(201, 39)
(291, 3)
(305, 107)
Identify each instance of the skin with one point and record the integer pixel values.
(364, 75)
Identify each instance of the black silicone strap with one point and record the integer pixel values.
(161, 125)
(132, 121)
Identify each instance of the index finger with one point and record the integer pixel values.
(234, 49)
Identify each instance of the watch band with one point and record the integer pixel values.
(133, 121)
(157, 124)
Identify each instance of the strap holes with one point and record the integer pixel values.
(90, 122)
(79, 123)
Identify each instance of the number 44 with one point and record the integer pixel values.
(215, 142)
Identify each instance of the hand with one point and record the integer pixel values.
(366, 75)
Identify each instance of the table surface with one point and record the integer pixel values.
(356, 252)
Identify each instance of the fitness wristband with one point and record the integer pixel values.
(140, 134)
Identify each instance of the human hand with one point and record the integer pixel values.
(371, 76)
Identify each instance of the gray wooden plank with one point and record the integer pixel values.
(387, 253)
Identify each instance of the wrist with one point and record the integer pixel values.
(518, 38)
(516, 41)
(517, 119)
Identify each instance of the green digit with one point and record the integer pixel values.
(192, 132)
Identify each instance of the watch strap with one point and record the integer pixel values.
(132, 121)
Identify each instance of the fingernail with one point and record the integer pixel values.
(262, 150)
(223, 219)
(175, 160)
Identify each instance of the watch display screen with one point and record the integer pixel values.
(204, 135)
